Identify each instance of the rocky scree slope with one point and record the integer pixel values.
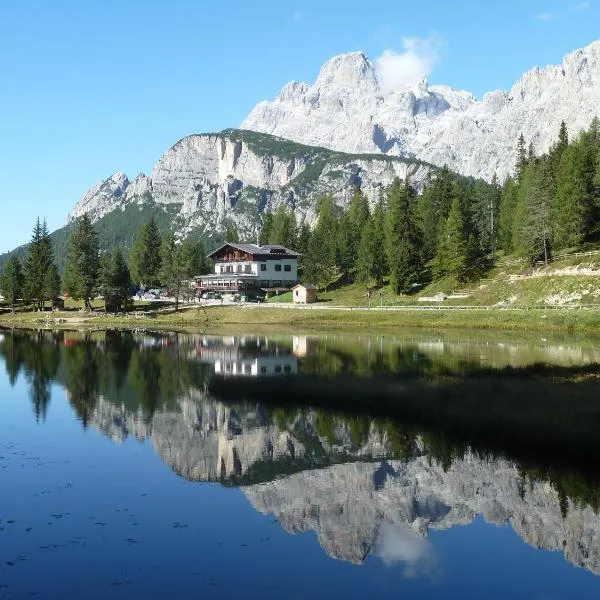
(348, 109)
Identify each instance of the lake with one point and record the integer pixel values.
(154, 465)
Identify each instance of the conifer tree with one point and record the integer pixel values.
(115, 281)
(145, 256)
(508, 204)
(350, 233)
(265, 231)
(535, 218)
(51, 287)
(433, 208)
(194, 258)
(283, 229)
(574, 206)
(451, 254)
(403, 239)
(11, 281)
(365, 261)
(320, 262)
(83, 262)
(171, 272)
(380, 262)
(39, 260)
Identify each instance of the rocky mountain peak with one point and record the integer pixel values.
(353, 70)
(345, 110)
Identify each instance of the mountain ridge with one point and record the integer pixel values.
(347, 107)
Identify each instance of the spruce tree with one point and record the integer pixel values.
(283, 229)
(320, 261)
(39, 260)
(11, 281)
(508, 204)
(451, 256)
(171, 272)
(51, 287)
(535, 220)
(433, 208)
(265, 231)
(194, 258)
(365, 261)
(574, 206)
(380, 262)
(115, 281)
(83, 262)
(145, 256)
(403, 239)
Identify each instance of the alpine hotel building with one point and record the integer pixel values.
(250, 269)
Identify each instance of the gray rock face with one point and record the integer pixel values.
(349, 505)
(365, 504)
(348, 109)
(237, 175)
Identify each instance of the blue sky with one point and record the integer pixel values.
(92, 87)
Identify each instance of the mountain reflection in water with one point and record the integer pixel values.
(371, 443)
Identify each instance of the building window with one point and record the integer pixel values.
(239, 268)
(287, 268)
(277, 368)
(263, 267)
(278, 267)
(248, 268)
(297, 294)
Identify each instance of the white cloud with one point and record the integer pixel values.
(402, 69)
(401, 544)
(581, 6)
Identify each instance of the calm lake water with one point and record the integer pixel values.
(145, 465)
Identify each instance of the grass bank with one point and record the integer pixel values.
(217, 318)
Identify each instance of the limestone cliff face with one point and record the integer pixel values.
(237, 175)
(349, 505)
(360, 499)
(349, 109)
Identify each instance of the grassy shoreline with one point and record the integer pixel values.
(584, 321)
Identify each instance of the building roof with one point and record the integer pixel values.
(273, 249)
(308, 286)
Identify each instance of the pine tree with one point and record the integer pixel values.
(433, 208)
(350, 233)
(171, 272)
(380, 262)
(485, 212)
(574, 206)
(402, 237)
(320, 261)
(115, 281)
(194, 258)
(451, 256)
(11, 281)
(508, 204)
(265, 231)
(535, 219)
(39, 260)
(282, 230)
(51, 287)
(365, 262)
(145, 256)
(83, 262)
